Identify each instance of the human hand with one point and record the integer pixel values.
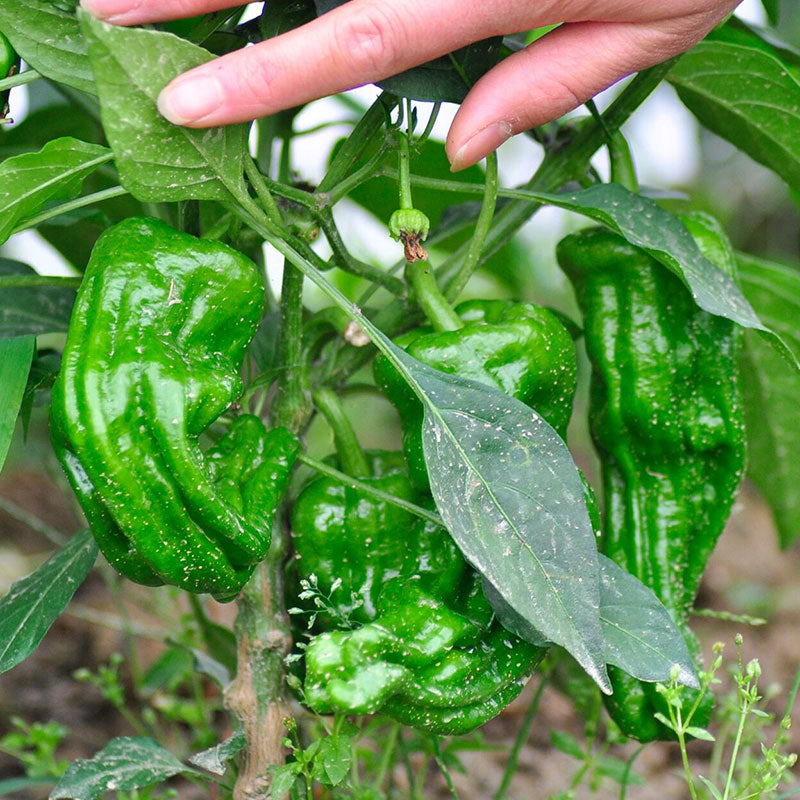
(367, 40)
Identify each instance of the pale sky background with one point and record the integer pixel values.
(663, 136)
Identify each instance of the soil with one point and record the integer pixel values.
(747, 575)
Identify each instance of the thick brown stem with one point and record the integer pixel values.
(256, 694)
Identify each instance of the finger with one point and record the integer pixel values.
(359, 42)
(557, 74)
(135, 12)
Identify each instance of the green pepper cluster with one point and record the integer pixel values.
(666, 418)
(417, 639)
(156, 341)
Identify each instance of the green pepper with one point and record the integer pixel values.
(666, 418)
(8, 56)
(419, 641)
(522, 349)
(156, 341)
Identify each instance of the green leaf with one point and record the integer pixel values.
(30, 310)
(283, 779)
(215, 759)
(49, 38)
(567, 743)
(158, 161)
(747, 96)
(34, 603)
(639, 635)
(700, 733)
(31, 181)
(619, 771)
(645, 224)
(125, 763)
(333, 759)
(773, 9)
(16, 356)
(211, 668)
(512, 498)
(446, 79)
(715, 793)
(771, 392)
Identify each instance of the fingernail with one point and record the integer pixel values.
(111, 10)
(190, 99)
(480, 144)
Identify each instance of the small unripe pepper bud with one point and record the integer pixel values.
(410, 226)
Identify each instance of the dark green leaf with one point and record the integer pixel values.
(211, 668)
(333, 759)
(772, 7)
(639, 635)
(747, 96)
(41, 378)
(512, 498)
(448, 78)
(215, 759)
(31, 181)
(567, 743)
(283, 778)
(158, 161)
(16, 355)
(264, 347)
(125, 763)
(645, 224)
(49, 39)
(771, 392)
(34, 603)
(30, 310)
(168, 671)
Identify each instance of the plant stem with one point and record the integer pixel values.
(29, 76)
(522, 737)
(482, 227)
(426, 292)
(33, 522)
(353, 265)
(404, 170)
(351, 456)
(623, 169)
(80, 202)
(368, 489)
(366, 132)
(437, 752)
(389, 748)
(265, 197)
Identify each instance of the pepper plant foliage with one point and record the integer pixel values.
(491, 539)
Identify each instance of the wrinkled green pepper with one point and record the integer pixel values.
(667, 422)
(157, 337)
(519, 348)
(416, 638)
(8, 56)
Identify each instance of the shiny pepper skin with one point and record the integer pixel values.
(420, 643)
(156, 341)
(8, 57)
(667, 421)
(519, 348)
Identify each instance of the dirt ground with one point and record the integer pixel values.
(747, 574)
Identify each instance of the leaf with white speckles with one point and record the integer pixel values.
(512, 498)
(31, 181)
(49, 38)
(34, 603)
(125, 763)
(639, 635)
(158, 161)
(216, 758)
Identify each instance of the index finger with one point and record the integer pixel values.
(359, 42)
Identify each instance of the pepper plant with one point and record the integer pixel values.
(424, 585)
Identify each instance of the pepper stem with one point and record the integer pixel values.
(435, 305)
(623, 170)
(404, 168)
(351, 457)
